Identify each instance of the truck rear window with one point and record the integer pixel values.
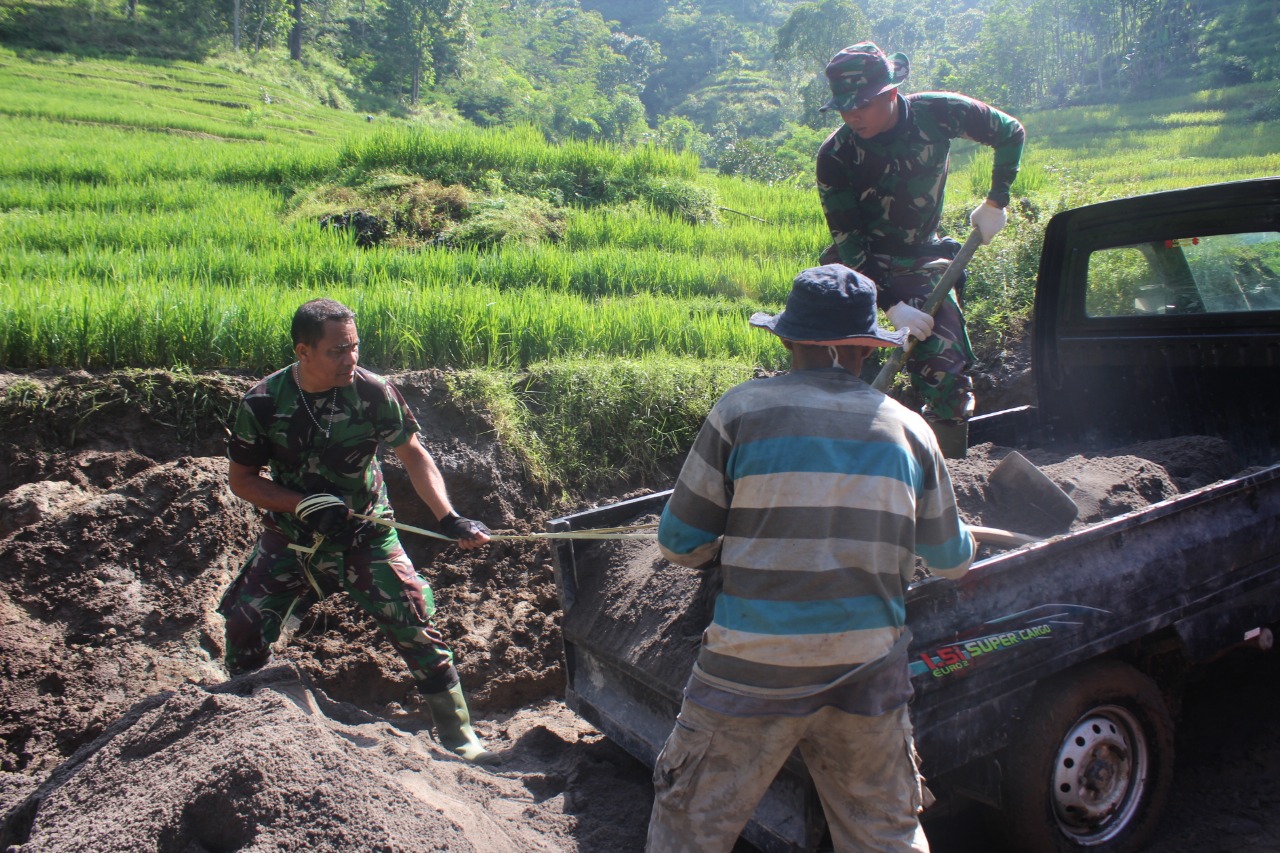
(1221, 273)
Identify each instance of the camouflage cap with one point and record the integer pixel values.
(860, 72)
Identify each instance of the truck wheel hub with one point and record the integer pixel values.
(1095, 774)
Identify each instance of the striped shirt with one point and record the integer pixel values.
(820, 491)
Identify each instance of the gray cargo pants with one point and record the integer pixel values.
(714, 769)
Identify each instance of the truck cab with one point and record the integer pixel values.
(1155, 316)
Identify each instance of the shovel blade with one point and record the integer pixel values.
(1046, 508)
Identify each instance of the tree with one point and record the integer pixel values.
(680, 134)
(697, 45)
(295, 33)
(805, 43)
(814, 32)
(408, 43)
(269, 18)
(494, 98)
(425, 39)
(452, 38)
(634, 59)
(197, 23)
(1009, 63)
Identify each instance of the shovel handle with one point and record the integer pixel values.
(1000, 538)
(894, 362)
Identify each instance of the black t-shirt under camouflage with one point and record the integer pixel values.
(882, 197)
(274, 429)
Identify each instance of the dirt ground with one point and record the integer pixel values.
(120, 732)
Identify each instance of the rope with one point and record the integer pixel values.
(631, 532)
(634, 531)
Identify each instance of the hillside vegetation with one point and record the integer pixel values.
(736, 82)
(591, 299)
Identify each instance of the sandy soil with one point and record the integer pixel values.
(119, 730)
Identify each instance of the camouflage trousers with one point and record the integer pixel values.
(937, 366)
(715, 768)
(377, 574)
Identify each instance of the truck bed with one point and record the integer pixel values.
(1199, 570)
(1155, 317)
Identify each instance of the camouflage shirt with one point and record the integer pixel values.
(274, 428)
(882, 197)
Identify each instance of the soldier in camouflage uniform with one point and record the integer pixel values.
(881, 178)
(316, 425)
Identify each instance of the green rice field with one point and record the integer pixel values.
(163, 215)
(146, 219)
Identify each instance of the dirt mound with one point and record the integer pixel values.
(108, 594)
(117, 545)
(1102, 485)
(641, 608)
(267, 762)
(118, 535)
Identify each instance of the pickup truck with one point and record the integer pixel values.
(1047, 678)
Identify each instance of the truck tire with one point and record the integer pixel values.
(1091, 768)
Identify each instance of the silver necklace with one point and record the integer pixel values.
(333, 404)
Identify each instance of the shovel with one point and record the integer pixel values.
(1045, 508)
(999, 537)
(940, 290)
(1035, 503)
(954, 440)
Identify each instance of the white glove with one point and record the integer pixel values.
(918, 323)
(988, 220)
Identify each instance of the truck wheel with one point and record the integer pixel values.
(1092, 766)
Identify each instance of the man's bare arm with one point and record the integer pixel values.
(429, 484)
(248, 483)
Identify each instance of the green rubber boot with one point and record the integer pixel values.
(953, 437)
(453, 726)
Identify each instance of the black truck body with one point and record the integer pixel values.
(1155, 316)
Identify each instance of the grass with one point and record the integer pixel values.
(165, 215)
(604, 423)
(194, 407)
(1168, 143)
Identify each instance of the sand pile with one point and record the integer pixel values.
(266, 762)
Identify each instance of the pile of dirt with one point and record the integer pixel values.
(1102, 485)
(268, 762)
(640, 608)
(119, 730)
(117, 549)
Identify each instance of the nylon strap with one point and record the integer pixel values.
(635, 531)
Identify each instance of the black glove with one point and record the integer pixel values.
(328, 516)
(456, 527)
(357, 532)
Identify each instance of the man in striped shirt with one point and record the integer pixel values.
(816, 493)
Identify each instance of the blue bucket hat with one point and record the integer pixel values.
(860, 72)
(830, 306)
